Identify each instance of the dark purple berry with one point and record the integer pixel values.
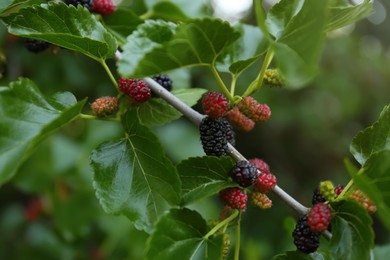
(36, 45)
(244, 173)
(305, 240)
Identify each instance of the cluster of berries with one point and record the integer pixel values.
(103, 7)
(243, 116)
(136, 90)
(308, 229)
(254, 172)
(309, 226)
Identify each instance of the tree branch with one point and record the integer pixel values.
(196, 118)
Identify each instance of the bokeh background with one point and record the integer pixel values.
(49, 210)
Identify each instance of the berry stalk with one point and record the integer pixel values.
(221, 84)
(258, 82)
(196, 118)
(221, 224)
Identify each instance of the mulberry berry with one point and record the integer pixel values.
(86, 3)
(338, 189)
(244, 173)
(327, 189)
(261, 165)
(363, 200)
(261, 200)
(103, 7)
(215, 104)
(104, 106)
(319, 217)
(266, 181)
(239, 120)
(213, 136)
(305, 240)
(164, 80)
(317, 196)
(273, 78)
(136, 89)
(36, 45)
(235, 198)
(254, 110)
(229, 132)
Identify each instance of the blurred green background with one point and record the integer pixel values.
(49, 210)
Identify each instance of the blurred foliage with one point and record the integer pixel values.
(49, 211)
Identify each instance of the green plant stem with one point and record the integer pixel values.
(90, 117)
(220, 83)
(109, 73)
(238, 239)
(345, 190)
(221, 224)
(258, 82)
(233, 85)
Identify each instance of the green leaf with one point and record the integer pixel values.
(159, 112)
(196, 42)
(122, 22)
(372, 139)
(134, 177)
(202, 177)
(168, 11)
(381, 252)
(147, 36)
(10, 6)
(180, 235)
(66, 26)
(188, 8)
(299, 41)
(280, 15)
(243, 52)
(294, 255)
(28, 117)
(352, 234)
(374, 181)
(342, 13)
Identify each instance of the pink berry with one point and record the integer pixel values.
(215, 104)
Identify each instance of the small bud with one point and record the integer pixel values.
(273, 78)
(327, 190)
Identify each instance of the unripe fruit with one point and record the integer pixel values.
(265, 182)
(319, 217)
(215, 104)
(235, 198)
(103, 7)
(261, 200)
(273, 78)
(239, 120)
(136, 89)
(254, 110)
(104, 106)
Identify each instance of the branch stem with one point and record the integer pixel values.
(221, 83)
(196, 118)
(221, 224)
(238, 239)
(258, 82)
(109, 73)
